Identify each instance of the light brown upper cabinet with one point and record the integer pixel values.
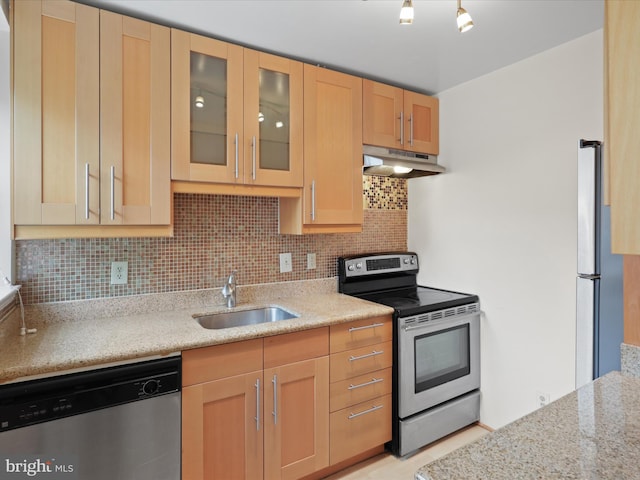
(237, 114)
(622, 142)
(332, 194)
(91, 118)
(397, 118)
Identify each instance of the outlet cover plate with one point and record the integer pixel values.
(285, 263)
(119, 273)
(311, 261)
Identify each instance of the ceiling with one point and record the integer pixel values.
(365, 38)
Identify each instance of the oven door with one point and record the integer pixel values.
(437, 361)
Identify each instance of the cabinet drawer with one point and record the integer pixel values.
(219, 361)
(359, 389)
(358, 428)
(360, 361)
(360, 333)
(295, 347)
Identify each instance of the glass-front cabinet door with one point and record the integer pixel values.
(206, 100)
(272, 120)
(236, 114)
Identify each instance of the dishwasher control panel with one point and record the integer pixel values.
(43, 400)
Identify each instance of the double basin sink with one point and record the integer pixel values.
(243, 318)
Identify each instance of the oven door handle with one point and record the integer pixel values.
(442, 321)
(361, 357)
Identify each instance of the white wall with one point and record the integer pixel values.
(6, 261)
(502, 222)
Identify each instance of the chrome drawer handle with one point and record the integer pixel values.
(253, 158)
(86, 191)
(373, 325)
(113, 189)
(275, 399)
(372, 409)
(237, 147)
(360, 385)
(401, 128)
(372, 354)
(257, 417)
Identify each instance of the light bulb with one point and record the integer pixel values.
(260, 117)
(200, 101)
(279, 124)
(406, 13)
(463, 19)
(401, 170)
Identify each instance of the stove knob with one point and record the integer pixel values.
(406, 260)
(351, 268)
(413, 261)
(359, 265)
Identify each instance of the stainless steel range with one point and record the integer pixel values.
(436, 368)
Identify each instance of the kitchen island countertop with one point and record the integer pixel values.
(591, 433)
(90, 334)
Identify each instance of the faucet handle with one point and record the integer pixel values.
(232, 277)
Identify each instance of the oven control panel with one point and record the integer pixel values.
(379, 264)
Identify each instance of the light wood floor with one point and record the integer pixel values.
(387, 467)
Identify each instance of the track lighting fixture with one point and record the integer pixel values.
(406, 12)
(463, 19)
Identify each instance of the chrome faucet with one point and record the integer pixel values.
(229, 290)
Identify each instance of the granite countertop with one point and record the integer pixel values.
(91, 333)
(592, 433)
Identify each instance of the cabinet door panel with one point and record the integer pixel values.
(297, 419)
(333, 147)
(56, 113)
(207, 109)
(272, 120)
(623, 123)
(421, 122)
(221, 429)
(382, 109)
(135, 121)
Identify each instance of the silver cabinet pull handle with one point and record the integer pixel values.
(86, 191)
(257, 417)
(237, 147)
(365, 384)
(253, 157)
(372, 409)
(313, 200)
(401, 128)
(275, 399)
(372, 354)
(373, 325)
(113, 192)
(411, 130)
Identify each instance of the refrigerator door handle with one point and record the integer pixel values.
(587, 291)
(589, 181)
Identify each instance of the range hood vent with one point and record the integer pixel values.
(388, 162)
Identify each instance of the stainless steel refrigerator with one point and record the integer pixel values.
(599, 309)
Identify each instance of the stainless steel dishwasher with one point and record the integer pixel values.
(120, 422)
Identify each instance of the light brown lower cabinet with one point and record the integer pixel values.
(270, 423)
(286, 407)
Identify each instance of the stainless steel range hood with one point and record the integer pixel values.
(388, 162)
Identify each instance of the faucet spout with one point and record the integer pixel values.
(229, 290)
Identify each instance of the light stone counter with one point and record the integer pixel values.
(89, 333)
(592, 433)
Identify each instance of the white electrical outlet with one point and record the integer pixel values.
(311, 261)
(285, 263)
(542, 398)
(119, 273)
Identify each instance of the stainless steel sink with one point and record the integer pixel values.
(244, 317)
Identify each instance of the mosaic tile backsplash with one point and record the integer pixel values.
(213, 234)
